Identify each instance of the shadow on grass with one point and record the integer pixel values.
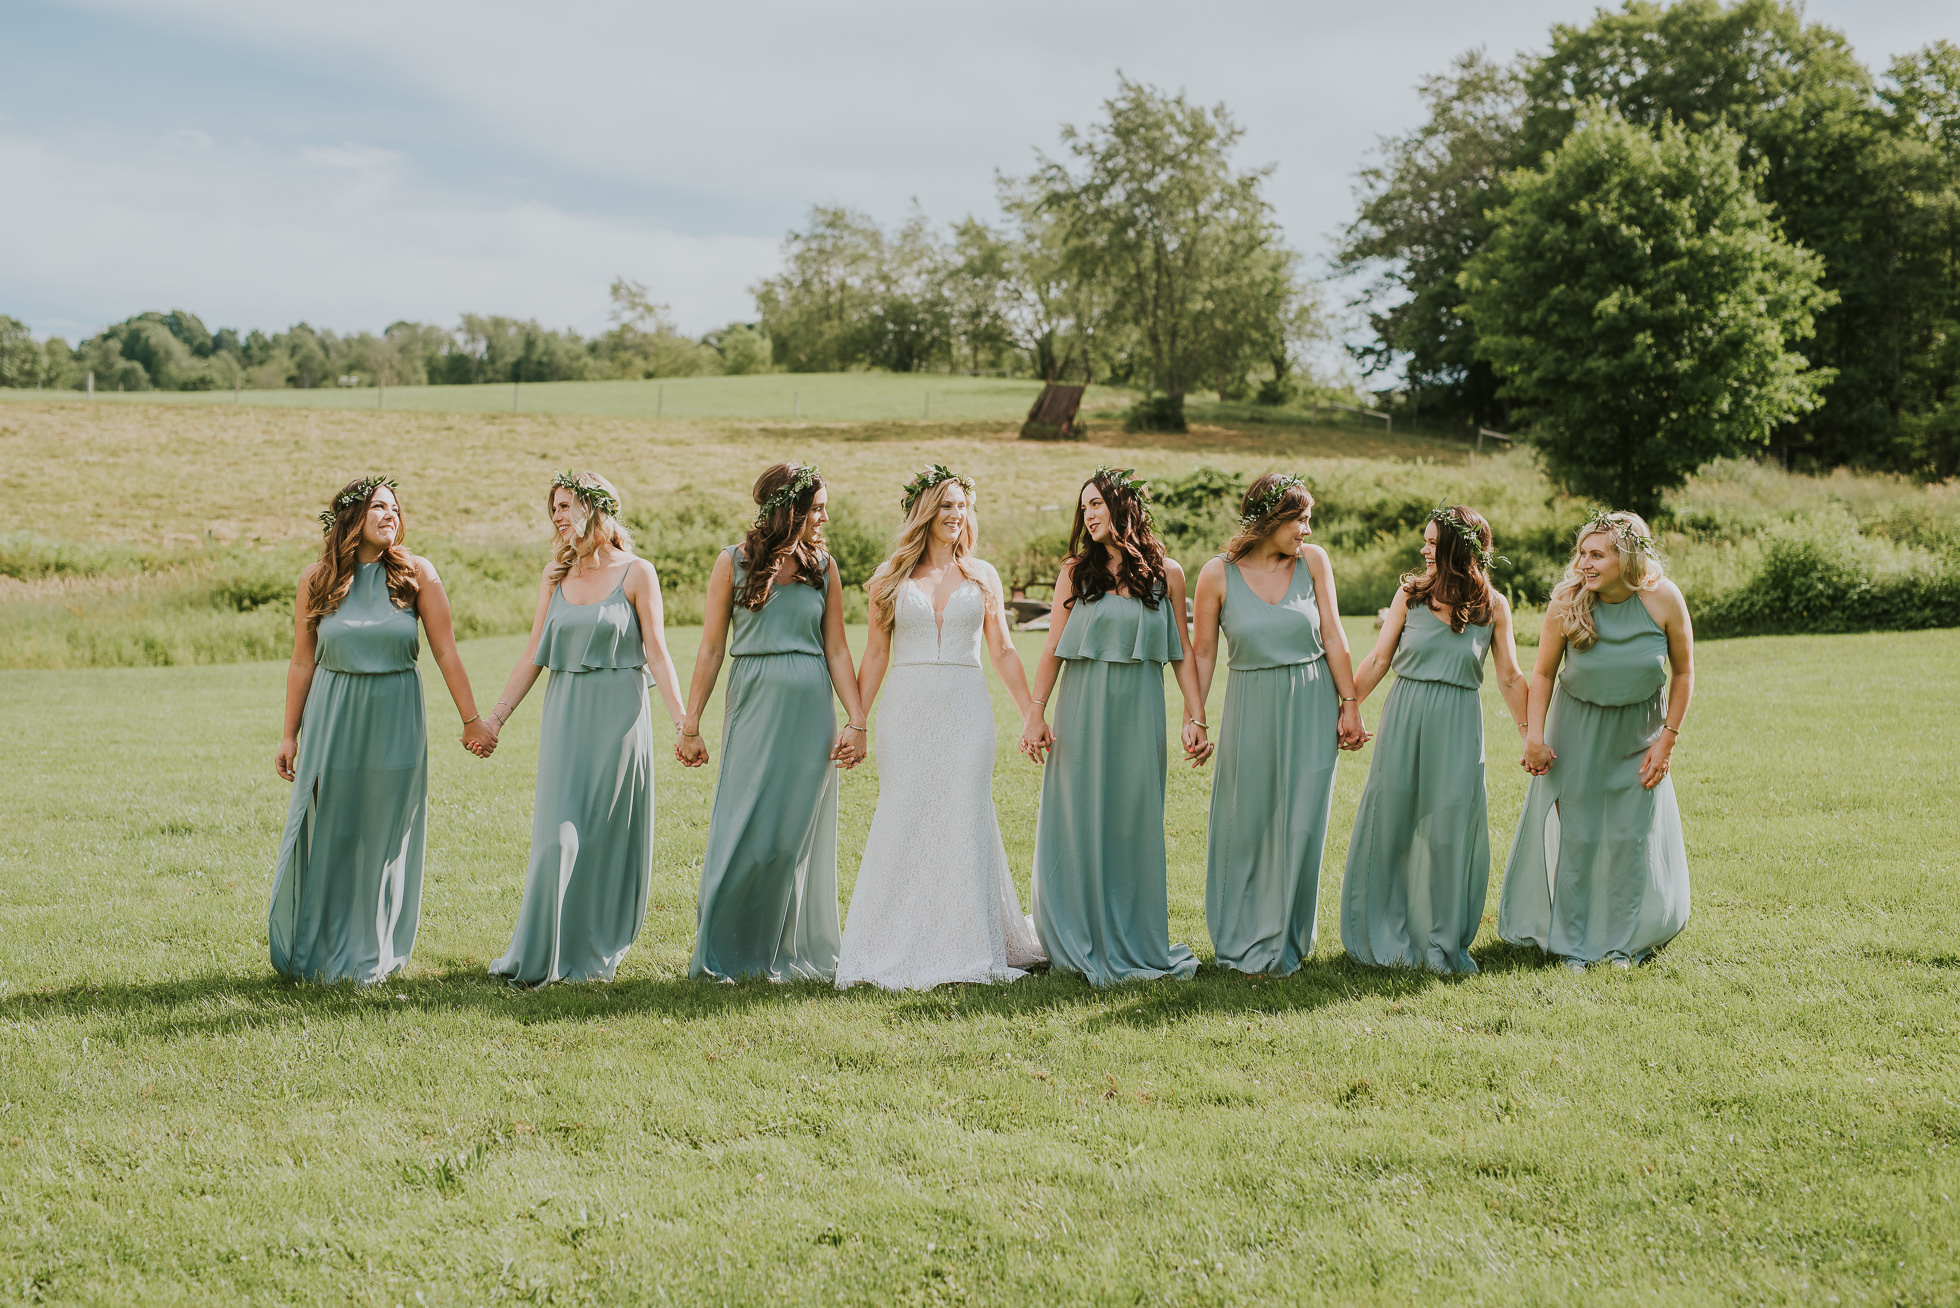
(217, 1003)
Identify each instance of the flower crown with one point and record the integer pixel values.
(1125, 479)
(1270, 500)
(359, 493)
(1622, 531)
(1445, 515)
(802, 479)
(925, 481)
(597, 496)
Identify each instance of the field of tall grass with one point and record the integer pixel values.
(177, 531)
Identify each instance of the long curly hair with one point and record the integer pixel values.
(1459, 582)
(913, 539)
(340, 556)
(592, 526)
(1296, 501)
(1134, 560)
(779, 535)
(1571, 605)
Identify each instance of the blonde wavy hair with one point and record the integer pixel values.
(913, 539)
(1571, 605)
(592, 525)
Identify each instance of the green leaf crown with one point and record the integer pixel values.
(1125, 479)
(1444, 515)
(789, 492)
(360, 493)
(925, 481)
(598, 497)
(1270, 500)
(1622, 531)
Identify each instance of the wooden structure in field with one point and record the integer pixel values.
(1052, 418)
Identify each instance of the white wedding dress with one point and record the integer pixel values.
(934, 902)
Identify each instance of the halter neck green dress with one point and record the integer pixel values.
(1599, 869)
(768, 903)
(585, 891)
(347, 892)
(1418, 866)
(1100, 890)
(1273, 778)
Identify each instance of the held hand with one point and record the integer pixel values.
(1352, 731)
(282, 762)
(692, 751)
(1037, 739)
(1196, 747)
(1537, 758)
(1653, 768)
(479, 738)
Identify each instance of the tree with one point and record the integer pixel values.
(1154, 212)
(814, 311)
(21, 360)
(1050, 312)
(1639, 303)
(644, 342)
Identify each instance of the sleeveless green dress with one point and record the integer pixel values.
(1599, 869)
(347, 892)
(1418, 866)
(1100, 889)
(768, 903)
(585, 891)
(1273, 782)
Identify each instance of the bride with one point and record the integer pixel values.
(934, 902)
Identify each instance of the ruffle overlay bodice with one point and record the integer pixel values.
(1120, 629)
(591, 637)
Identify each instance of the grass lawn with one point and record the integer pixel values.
(1765, 1114)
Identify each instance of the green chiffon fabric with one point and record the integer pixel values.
(1418, 866)
(1100, 892)
(768, 905)
(1273, 782)
(585, 890)
(347, 889)
(1599, 868)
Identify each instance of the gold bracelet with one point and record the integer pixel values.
(474, 717)
(1675, 730)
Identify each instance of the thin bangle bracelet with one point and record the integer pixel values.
(1675, 730)
(474, 717)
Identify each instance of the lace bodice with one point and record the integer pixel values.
(919, 637)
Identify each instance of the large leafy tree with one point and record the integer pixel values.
(1640, 306)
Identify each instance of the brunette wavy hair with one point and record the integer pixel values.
(340, 556)
(1459, 582)
(1296, 501)
(1134, 560)
(779, 534)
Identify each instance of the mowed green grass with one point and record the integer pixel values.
(769, 397)
(1765, 1114)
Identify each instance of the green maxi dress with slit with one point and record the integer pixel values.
(1273, 783)
(1599, 868)
(1418, 866)
(347, 892)
(768, 903)
(585, 891)
(1100, 889)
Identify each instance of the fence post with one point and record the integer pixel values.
(91, 383)
(513, 397)
(659, 401)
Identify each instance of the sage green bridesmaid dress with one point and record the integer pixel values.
(347, 892)
(768, 903)
(1101, 898)
(1273, 778)
(585, 892)
(1599, 868)
(1418, 865)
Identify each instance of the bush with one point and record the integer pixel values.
(1156, 413)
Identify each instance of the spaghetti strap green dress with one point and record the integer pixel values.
(768, 903)
(585, 891)
(1418, 866)
(1273, 778)
(347, 889)
(1100, 890)
(1599, 869)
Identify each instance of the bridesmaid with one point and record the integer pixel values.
(1418, 866)
(1599, 870)
(599, 629)
(347, 892)
(769, 875)
(1290, 707)
(1100, 894)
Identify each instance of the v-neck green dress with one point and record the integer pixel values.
(585, 891)
(347, 892)
(1273, 778)
(768, 904)
(1101, 892)
(1418, 865)
(1599, 868)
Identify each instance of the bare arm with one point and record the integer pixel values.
(877, 659)
(643, 591)
(299, 676)
(718, 608)
(1196, 747)
(1375, 665)
(850, 748)
(1511, 683)
(1670, 609)
(1000, 646)
(432, 606)
(525, 674)
(1538, 756)
(1035, 735)
(1333, 639)
(1204, 624)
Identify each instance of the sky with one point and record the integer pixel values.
(354, 164)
